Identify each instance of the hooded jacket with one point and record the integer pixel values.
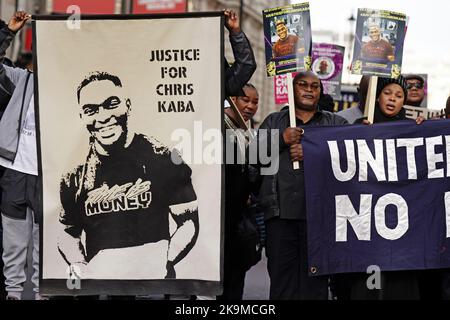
(19, 84)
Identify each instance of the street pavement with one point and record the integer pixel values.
(257, 281)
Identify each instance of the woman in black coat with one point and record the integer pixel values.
(395, 285)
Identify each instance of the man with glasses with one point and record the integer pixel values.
(282, 195)
(125, 195)
(416, 91)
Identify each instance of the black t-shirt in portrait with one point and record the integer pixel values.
(123, 200)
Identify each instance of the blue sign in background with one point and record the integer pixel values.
(423, 246)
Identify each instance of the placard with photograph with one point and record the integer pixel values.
(287, 39)
(378, 48)
(131, 204)
(327, 63)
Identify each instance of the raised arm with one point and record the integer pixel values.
(238, 74)
(10, 76)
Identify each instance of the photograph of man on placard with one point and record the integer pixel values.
(287, 39)
(377, 47)
(323, 67)
(125, 194)
(379, 39)
(287, 43)
(130, 204)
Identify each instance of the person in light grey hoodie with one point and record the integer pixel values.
(20, 185)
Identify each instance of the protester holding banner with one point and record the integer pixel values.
(391, 96)
(240, 72)
(245, 97)
(236, 77)
(238, 253)
(282, 194)
(20, 183)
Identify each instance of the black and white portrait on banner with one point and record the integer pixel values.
(125, 211)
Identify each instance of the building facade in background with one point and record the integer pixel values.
(251, 24)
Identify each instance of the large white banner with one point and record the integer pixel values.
(122, 212)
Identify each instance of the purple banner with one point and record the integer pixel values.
(378, 195)
(327, 64)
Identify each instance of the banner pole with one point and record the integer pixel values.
(369, 107)
(244, 125)
(292, 122)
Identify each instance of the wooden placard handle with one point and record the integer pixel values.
(292, 121)
(369, 107)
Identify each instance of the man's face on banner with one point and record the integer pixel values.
(282, 31)
(374, 33)
(104, 111)
(323, 66)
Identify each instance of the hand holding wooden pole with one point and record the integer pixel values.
(292, 121)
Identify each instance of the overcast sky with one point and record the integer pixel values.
(427, 42)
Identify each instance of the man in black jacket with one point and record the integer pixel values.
(282, 195)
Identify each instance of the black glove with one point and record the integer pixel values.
(170, 267)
